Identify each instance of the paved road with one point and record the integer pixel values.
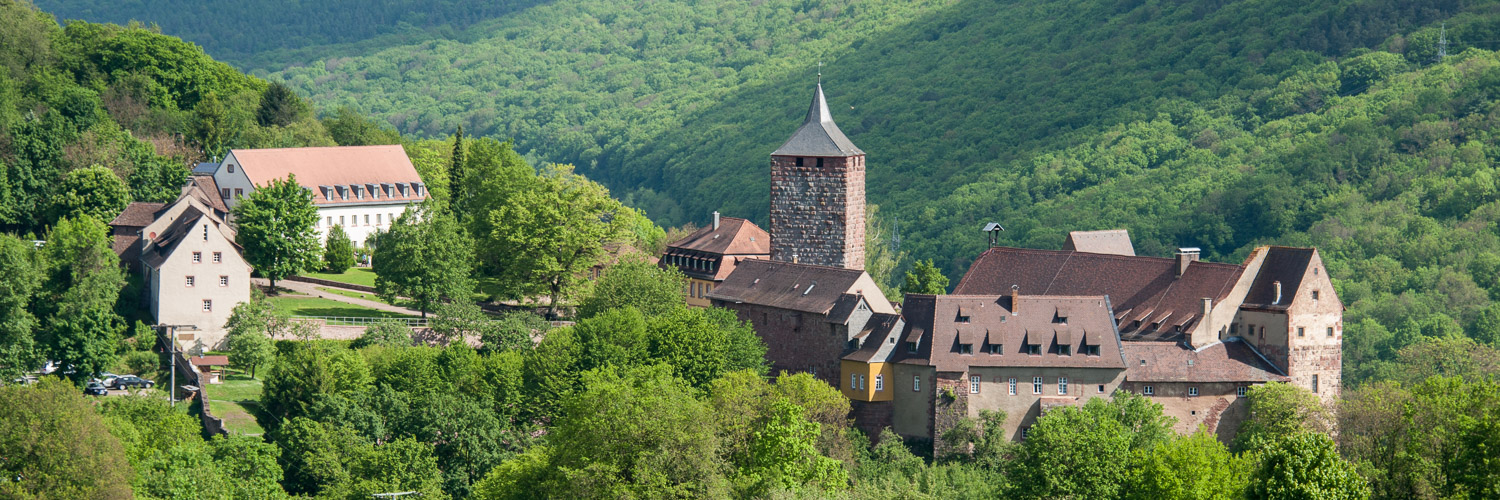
(312, 289)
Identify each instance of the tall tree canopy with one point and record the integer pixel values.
(276, 229)
(426, 256)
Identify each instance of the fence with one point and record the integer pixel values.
(362, 321)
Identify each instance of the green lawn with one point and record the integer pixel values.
(236, 401)
(316, 306)
(355, 275)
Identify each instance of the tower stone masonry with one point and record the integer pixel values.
(818, 194)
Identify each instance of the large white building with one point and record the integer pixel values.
(362, 188)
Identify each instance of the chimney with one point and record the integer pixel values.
(1206, 331)
(1277, 284)
(1185, 256)
(794, 258)
(1015, 299)
(716, 220)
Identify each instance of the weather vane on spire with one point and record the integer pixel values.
(820, 72)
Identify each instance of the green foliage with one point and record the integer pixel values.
(1195, 466)
(280, 106)
(701, 345)
(1305, 465)
(276, 229)
(306, 373)
(84, 280)
(547, 238)
(513, 330)
(783, 455)
(338, 251)
(460, 321)
(94, 191)
(1423, 439)
(1072, 452)
(1278, 410)
(638, 283)
(52, 437)
(925, 278)
(349, 128)
(979, 441)
(881, 254)
(20, 279)
(385, 333)
(427, 257)
(890, 470)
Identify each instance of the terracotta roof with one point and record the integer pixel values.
(1144, 289)
(818, 135)
(785, 285)
(206, 190)
(1285, 264)
(712, 254)
(1112, 241)
(214, 360)
(137, 214)
(1232, 360)
(879, 339)
(991, 321)
(338, 174)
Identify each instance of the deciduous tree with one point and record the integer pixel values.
(635, 282)
(1305, 465)
(427, 257)
(56, 445)
(925, 278)
(338, 251)
(84, 280)
(94, 191)
(276, 229)
(20, 278)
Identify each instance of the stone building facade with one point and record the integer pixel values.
(818, 194)
(710, 254)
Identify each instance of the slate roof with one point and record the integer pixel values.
(205, 168)
(934, 322)
(818, 135)
(137, 214)
(786, 285)
(1285, 264)
(879, 340)
(1232, 360)
(1112, 241)
(361, 167)
(1144, 289)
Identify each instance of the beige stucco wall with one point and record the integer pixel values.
(703, 287)
(866, 285)
(174, 303)
(1217, 405)
(1022, 409)
(1316, 353)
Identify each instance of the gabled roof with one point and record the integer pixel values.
(1284, 264)
(172, 236)
(1112, 241)
(818, 135)
(1145, 289)
(786, 285)
(339, 169)
(879, 340)
(206, 190)
(1232, 360)
(998, 320)
(734, 236)
(137, 214)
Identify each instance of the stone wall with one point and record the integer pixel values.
(872, 417)
(818, 213)
(796, 341)
(1217, 407)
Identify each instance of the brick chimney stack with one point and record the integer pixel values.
(1185, 256)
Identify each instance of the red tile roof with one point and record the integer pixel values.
(214, 360)
(934, 321)
(785, 285)
(367, 167)
(712, 254)
(1229, 361)
(1144, 289)
(206, 190)
(137, 214)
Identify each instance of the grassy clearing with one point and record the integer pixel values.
(316, 306)
(355, 275)
(236, 401)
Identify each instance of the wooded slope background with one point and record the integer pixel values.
(1222, 125)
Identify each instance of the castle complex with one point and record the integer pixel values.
(1025, 330)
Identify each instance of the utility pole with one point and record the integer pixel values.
(171, 341)
(1442, 43)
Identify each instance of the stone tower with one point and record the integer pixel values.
(818, 194)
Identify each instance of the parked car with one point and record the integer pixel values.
(96, 389)
(129, 381)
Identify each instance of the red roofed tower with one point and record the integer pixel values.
(818, 194)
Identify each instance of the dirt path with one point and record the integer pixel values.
(312, 290)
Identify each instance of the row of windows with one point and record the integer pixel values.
(1193, 391)
(225, 191)
(857, 382)
(1234, 329)
(698, 289)
(693, 263)
(198, 257)
(192, 280)
(1029, 349)
(378, 221)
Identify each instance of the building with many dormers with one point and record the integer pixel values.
(362, 188)
(711, 253)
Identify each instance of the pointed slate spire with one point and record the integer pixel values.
(818, 135)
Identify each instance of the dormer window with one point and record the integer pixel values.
(997, 349)
(420, 188)
(1033, 349)
(911, 347)
(966, 348)
(1089, 350)
(1064, 350)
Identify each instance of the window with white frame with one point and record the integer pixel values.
(218, 257)
(377, 219)
(208, 305)
(1062, 386)
(916, 383)
(1012, 386)
(1036, 385)
(973, 384)
(197, 257)
(1148, 391)
(853, 381)
(190, 281)
(1241, 390)
(861, 382)
(879, 383)
(1192, 391)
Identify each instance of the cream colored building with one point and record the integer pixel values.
(194, 273)
(362, 188)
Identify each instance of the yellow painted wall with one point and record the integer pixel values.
(869, 371)
(696, 290)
